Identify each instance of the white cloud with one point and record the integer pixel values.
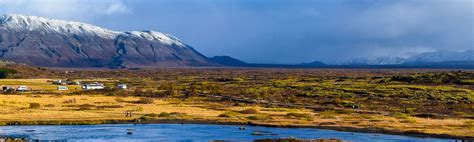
(117, 8)
(65, 9)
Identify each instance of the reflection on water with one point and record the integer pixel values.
(189, 133)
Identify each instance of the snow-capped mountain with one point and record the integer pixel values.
(58, 43)
(374, 61)
(429, 57)
(442, 56)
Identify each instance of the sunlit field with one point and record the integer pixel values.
(426, 102)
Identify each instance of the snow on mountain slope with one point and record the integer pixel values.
(429, 57)
(374, 61)
(442, 56)
(22, 22)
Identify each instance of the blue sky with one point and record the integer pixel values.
(280, 31)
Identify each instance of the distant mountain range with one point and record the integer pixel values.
(56, 43)
(374, 61)
(46, 42)
(429, 58)
(441, 56)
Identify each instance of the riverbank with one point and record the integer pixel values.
(98, 109)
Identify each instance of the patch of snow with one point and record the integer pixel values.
(162, 37)
(21, 22)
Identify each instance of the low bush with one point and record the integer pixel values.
(86, 107)
(164, 114)
(259, 117)
(50, 105)
(229, 114)
(400, 115)
(109, 106)
(35, 105)
(152, 115)
(146, 101)
(249, 111)
(305, 116)
(119, 100)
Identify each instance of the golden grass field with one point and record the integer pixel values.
(55, 108)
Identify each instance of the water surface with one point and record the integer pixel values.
(188, 132)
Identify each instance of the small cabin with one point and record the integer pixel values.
(93, 86)
(122, 86)
(62, 88)
(22, 88)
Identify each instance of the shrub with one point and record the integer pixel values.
(306, 116)
(4, 72)
(35, 105)
(86, 107)
(259, 117)
(109, 106)
(173, 114)
(469, 124)
(328, 114)
(400, 115)
(146, 101)
(139, 108)
(50, 105)
(228, 114)
(249, 111)
(146, 118)
(164, 114)
(119, 100)
(152, 115)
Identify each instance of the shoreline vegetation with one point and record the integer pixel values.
(421, 103)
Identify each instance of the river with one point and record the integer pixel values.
(188, 133)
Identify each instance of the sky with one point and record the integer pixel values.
(280, 31)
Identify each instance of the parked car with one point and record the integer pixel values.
(122, 86)
(22, 88)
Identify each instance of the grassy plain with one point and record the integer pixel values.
(435, 103)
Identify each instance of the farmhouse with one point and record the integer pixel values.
(93, 86)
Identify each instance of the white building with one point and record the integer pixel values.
(93, 86)
(62, 88)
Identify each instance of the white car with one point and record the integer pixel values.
(22, 88)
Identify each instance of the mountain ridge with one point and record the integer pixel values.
(59, 43)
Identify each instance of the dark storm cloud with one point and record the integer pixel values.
(283, 31)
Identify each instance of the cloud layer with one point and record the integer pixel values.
(65, 9)
(281, 31)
